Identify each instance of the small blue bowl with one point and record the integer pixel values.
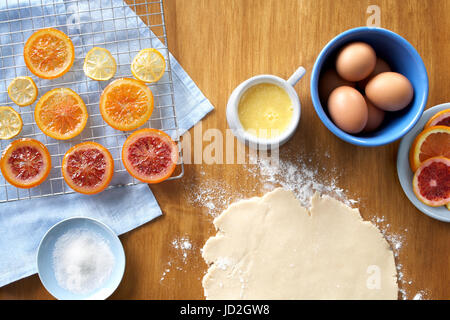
(45, 258)
(402, 58)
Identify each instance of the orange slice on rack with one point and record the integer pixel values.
(88, 167)
(148, 65)
(22, 91)
(49, 53)
(10, 123)
(431, 142)
(150, 155)
(126, 104)
(99, 64)
(25, 163)
(61, 114)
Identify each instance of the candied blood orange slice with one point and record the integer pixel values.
(150, 155)
(431, 182)
(49, 53)
(88, 167)
(61, 114)
(126, 104)
(25, 163)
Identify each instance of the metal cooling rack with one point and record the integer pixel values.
(122, 27)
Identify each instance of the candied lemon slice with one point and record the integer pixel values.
(148, 65)
(10, 123)
(99, 64)
(22, 91)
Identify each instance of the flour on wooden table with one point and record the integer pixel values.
(183, 247)
(297, 175)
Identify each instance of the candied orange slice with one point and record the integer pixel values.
(49, 53)
(61, 114)
(126, 104)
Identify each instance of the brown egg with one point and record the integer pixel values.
(329, 81)
(380, 66)
(348, 109)
(375, 117)
(390, 91)
(356, 61)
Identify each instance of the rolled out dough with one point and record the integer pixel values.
(273, 248)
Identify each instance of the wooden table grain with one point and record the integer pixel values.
(220, 43)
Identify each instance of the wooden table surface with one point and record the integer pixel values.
(220, 43)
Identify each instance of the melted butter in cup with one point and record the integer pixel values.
(265, 110)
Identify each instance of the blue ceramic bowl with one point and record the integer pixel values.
(45, 258)
(402, 58)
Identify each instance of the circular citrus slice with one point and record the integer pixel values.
(431, 182)
(25, 163)
(10, 123)
(22, 91)
(99, 64)
(150, 155)
(88, 167)
(148, 65)
(442, 118)
(61, 114)
(126, 104)
(431, 142)
(49, 53)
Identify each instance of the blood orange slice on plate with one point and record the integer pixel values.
(25, 163)
(126, 104)
(431, 182)
(88, 167)
(150, 155)
(431, 142)
(441, 118)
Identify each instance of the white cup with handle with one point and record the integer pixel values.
(247, 137)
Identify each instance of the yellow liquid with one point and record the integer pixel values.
(265, 110)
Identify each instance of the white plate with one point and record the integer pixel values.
(405, 175)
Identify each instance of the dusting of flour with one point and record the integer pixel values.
(183, 247)
(298, 175)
